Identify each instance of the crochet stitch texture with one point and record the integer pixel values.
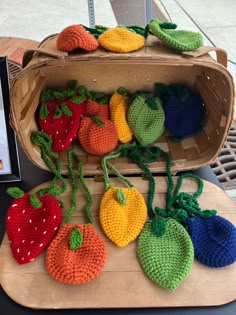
(167, 260)
(179, 40)
(214, 240)
(80, 265)
(122, 223)
(119, 108)
(120, 40)
(146, 123)
(29, 229)
(75, 36)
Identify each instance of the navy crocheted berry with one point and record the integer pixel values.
(214, 240)
(184, 118)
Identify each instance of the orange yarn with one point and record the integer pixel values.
(92, 108)
(98, 136)
(75, 36)
(76, 266)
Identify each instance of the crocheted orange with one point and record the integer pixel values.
(80, 265)
(92, 108)
(75, 36)
(123, 213)
(121, 40)
(97, 136)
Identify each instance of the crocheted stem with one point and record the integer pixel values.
(71, 154)
(106, 165)
(42, 140)
(98, 121)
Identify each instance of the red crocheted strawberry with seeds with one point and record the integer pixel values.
(31, 223)
(60, 118)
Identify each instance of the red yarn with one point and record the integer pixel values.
(61, 130)
(30, 230)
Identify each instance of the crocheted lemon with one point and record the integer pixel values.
(123, 213)
(118, 108)
(121, 40)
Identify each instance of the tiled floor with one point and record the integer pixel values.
(14, 48)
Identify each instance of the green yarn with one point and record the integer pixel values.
(120, 196)
(158, 226)
(179, 40)
(146, 121)
(58, 113)
(15, 192)
(167, 260)
(78, 99)
(35, 202)
(72, 84)
(43, 111)
(98, 121)
(66, 110)
(59, 95)
(76, 239)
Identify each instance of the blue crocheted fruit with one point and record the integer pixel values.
(214, 240)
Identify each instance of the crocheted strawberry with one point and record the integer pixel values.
(60, 118)
(31, 223)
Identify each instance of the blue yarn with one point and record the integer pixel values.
(214, 240)
(184, 118)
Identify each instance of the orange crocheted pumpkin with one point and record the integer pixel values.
(98, 136)
(76, 266)
(75, 36)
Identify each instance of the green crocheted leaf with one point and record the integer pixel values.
(43, 111)
(120, 196)
(158, 226)
(69, 93)
(15, 192)
(168, 25)
(35, 202)
(152, 103)
(98, 121)
(166, 260)
(47, 95)
(58, 113)
(59, 95)
(84, 91)
(72, 84)
(76, 239)
(78, 99)
(122, 91)
(66, 110)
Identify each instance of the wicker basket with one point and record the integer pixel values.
(104, 71)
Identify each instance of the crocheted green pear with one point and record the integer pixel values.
(180, 40)
(166, 259)
(146, 119)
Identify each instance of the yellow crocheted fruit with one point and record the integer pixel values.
(120, 40)
(118, 108)
(122, 220)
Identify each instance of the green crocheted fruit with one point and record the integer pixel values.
(167, 260)
(146, 119)
(180, 40)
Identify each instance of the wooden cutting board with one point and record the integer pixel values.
(122, 282)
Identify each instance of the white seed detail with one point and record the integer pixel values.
(36, 228)
(30, 221)
(31, 259)
(8, 218)
(18, 230)
(41, 245)
(54, 217)
(28, 253)
(31, 242)
(18, 250)
(44, 232)
(44, 220)
(15, 204)
(22, 258)
(23, 211)
(55, 228)
(23, 241)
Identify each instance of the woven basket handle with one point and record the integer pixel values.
(28, 55)
(221, 54)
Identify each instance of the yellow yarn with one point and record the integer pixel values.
(122, 223)
(120, 40)
(118, 108)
